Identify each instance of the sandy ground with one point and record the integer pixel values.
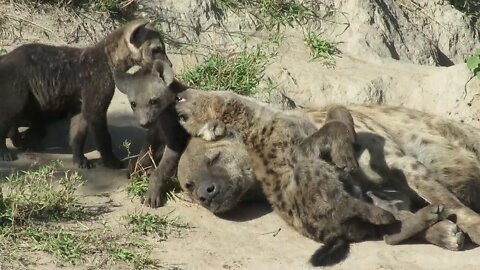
(252, 237)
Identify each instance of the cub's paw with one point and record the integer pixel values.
(112, 163)
(83, 163)
(445, 234)
(155, 196)
(343, 157)
(7, 155)
(212, 130)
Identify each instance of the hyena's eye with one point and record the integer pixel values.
(155, 101)
(213, 159)
(189, 185)
(133, 104)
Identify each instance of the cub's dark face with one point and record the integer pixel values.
(148, 91)
(216, 174)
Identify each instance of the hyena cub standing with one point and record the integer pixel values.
(151, 92)
(39, 82)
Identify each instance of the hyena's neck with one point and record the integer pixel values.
(246, 115)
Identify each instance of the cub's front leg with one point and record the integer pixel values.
(333, 142)
(168, 129)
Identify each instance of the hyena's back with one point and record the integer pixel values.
(447, 149)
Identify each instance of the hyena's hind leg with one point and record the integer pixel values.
(29, 139)
(420, 180)
(444, 233)
(333, 142)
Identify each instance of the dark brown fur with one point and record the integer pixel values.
(41, 82)
(151, 93)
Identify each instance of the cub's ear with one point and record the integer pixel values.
(163, 70)
(122, 81)
(133, 38)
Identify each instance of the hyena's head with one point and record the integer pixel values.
(135, 43)
(148, 90)
(217, 174)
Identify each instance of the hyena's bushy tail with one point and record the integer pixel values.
(331, 252)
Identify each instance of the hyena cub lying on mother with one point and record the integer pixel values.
(306, 191)
(41, 82)
(435, 156)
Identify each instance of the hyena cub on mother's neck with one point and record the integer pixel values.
(41, 82)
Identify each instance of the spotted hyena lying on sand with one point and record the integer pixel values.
(308, 197)
(40, 82)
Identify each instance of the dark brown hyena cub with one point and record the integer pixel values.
(41, 82)
(151, 92)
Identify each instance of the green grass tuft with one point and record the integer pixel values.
(3, 51)
(116, 8)
(271, 13)
(66, 246)
(138, 186)
(150, 223)
(139, 260)
(319, 46)
(40, 195)
(240, 73)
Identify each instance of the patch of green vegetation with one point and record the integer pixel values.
(240, 73)
(139, 260)
(3, 51)
(116, 8)
(40, 195)
(32, 203)
(319, 46)
(271, 13)
(30, 199)
(150, 223)
(473, 63)
(138, 186)
(66, 246)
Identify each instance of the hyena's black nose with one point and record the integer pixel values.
(206, 193)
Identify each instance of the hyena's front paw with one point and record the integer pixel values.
(445, 234)
(212, 130)
(155, 196)
(83, 163)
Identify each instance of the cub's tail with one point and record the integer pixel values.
(332, 252)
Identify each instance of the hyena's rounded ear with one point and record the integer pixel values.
(122, 81)
(132, 38)
(163, 70)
